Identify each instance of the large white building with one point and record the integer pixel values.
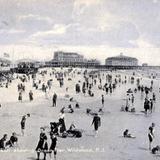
(121, 60)
(71, 59)
(68, 57)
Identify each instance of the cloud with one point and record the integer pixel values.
(116, 25)
(34, 17)
(58, 29)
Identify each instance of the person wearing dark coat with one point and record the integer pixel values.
(54, 99)
(20, 96)
(96, 122)
(42, 144)
(146, 105)
(31, 96)
(53, 146)
(102, 100)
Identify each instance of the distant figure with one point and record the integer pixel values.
(2, 142)
(20, 96)
(102, 100)
(54, 99)
(132, 99)
(31, 95)
(154, 97)
(146, 105)
(151, 105)
(77, 105)
(151, 134)
(96, 122)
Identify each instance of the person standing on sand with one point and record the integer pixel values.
(54, 99)
(52, 148)
(154, 97)
(20, 96)
(31, 95)
(132, 99)
(151, 134)
(23, 123)
(96, 122)
(146, 105)
(42, 144)
(151, 105)
(62, 121)
(102, 100)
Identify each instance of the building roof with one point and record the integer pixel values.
(120, 57)
(26, 60)
(5, 60)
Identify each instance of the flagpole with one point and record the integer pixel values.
(13, 57)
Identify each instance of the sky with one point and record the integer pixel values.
(93, 28)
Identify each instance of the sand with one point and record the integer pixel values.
(108, 144)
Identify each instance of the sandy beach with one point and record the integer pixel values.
(108, 144)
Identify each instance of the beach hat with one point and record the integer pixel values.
(42, 128)
(153, 124)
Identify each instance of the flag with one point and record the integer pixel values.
(6, 55)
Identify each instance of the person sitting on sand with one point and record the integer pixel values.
(2, 142)
(155, 149)
(13, 142)
(73, 132)
(70, 109)
(126, 134)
